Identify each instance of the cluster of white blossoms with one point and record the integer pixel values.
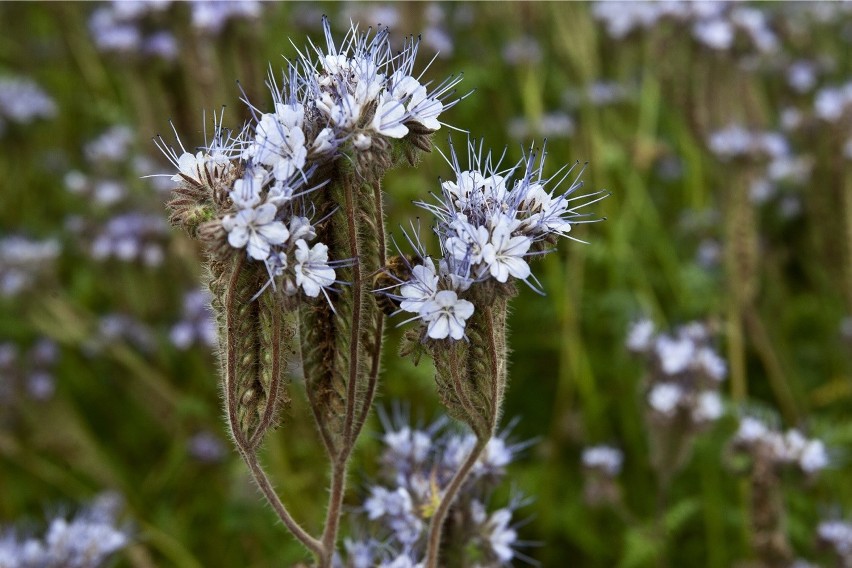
(349, 99)
(88, 540)
(605, 459)
(685, 372)
(782, 448)
(489, 222)
(838, 534)
(735, 141)
(417, 465)
(715, 24)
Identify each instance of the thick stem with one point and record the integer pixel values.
(355, 330)
(231, 357)
(437, 524)
(262, 481)
(335, 504)
(373, 379)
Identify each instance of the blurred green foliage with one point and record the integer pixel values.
(123, 419)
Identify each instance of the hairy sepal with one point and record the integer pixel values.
(471, 374)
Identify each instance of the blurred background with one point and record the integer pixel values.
(721, 129)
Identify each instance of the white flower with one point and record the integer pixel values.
(446, 315)
(502, 536)
(469, 244)
(401, 561)
(665, 397)
(504, 255)
(362, 141)
(604, 458)
(751, 430)
(301, 228)
(838, 534)
(391, 503)
(324, 142)
(190, 166)
(466, 183)
(675, 354)
(257, 228)
(711, 363)
(425, 110)
(640, 335)
(403, 86)
(814, 457)
(708, 407)
(246, 192)
(388, 118)
(422, 287)
(312, 270)
(408, 444)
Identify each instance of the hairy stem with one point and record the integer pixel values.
(335, 504)
(262, 481)
(355, 330)
(373, 378)
(437, 524)
(340, 460)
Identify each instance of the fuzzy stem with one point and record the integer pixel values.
(262, 481)
(340, 461)
(436, 526)
(373, 379)
(335, 504)
(355, 331)
(231, 357)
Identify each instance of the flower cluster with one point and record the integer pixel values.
(140, 26)
(605, 459)
(716, 25)
(197, 325)
(601, 465)
(86, 541)
(736, 141)
(22, 261)
(763, 442)
(117, 328)
(831, 104)
(838, 535)
(131, 237)
(30, 372)
(685, 373)
(490, 221)
(417, 466)
(354, 100)
(22, 101)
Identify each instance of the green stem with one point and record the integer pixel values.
(262, 481)
(436, 526)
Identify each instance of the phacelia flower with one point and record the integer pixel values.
(445, 315)
(489, 221)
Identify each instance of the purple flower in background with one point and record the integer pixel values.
(22, 101)
(197, 325)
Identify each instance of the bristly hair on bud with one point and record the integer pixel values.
(490, 221)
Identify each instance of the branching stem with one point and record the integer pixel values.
(437, 524)
(262, 481)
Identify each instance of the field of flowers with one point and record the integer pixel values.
(680, 373)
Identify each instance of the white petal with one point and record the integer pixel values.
(463, 309)
(446, 298)
(238, 237)
(265, 214)
(499, 271)
(258, 248)
(456, 328)
(517, 267)
(439, 328)
(275, 233)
